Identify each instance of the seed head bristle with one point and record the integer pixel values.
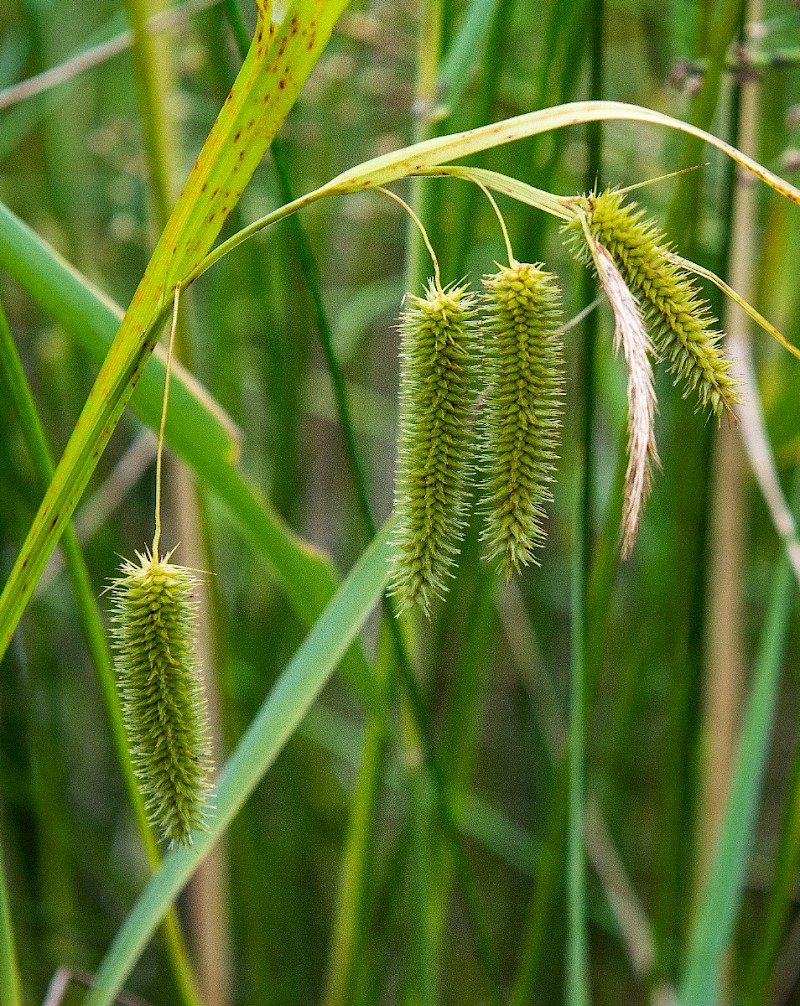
(522, 402)
(436, 396)
(678, 318)
(153, 626)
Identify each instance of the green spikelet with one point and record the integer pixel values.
(436, 397)
(164, 710)
(680, 324)
(524, 372)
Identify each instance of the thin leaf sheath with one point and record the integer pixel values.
(163, 705)
(268, 83)
(679, 321)
(524, 376)
(436, 396)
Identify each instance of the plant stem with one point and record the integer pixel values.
(10, 991)
(684, 211)
(577, 962)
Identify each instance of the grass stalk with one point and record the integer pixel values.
(721, 896)
(429, 49)
(467, 197)
(720, 34)
(10, 989)
(348, 930)
(577, 991)
(151, 78)
(758, 977)
(548, 884)
(724, 672)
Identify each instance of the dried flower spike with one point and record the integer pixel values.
(631, 337)
(524, 375)
(163, 705)
(436, 397)
(677, 317)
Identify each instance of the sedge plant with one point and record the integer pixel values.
(480, 369)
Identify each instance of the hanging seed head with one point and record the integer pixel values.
(678, 318)
(163, 706)
(524, 377)
(436, 396)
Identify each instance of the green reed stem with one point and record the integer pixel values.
(153, 109)
(429, 47)
(577, 961)
(349, 926)
(10, 990)
(577, 989)
(757, 982)
(538, 920)
(721, 896)
(684, 210)
(495, 55)
(92, 627)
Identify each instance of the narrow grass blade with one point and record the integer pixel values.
(10, 991)
(721, 896)
(508, 186)
(420, 157)
(763, 957)
(459, 59)
(748, 308)
(577, 984)
(279, 716)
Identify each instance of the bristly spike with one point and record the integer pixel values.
(436, 398)
(677, 316)
(522, 404)
(153, 624)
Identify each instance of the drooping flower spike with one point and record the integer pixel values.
(163, 704)
(522, 401)
(677, 317)
(438, 351)
(153, 625)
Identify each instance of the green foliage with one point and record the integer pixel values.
(350, 842)
(524, 377)
(438, 353)
(680, 322)
(165, 716)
